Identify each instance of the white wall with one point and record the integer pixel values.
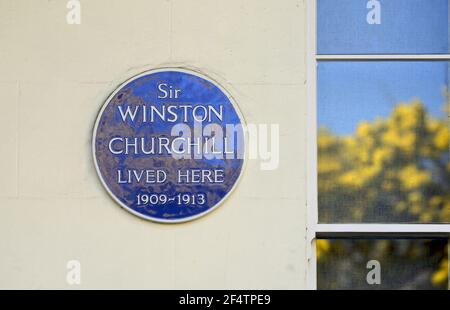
(54, 77)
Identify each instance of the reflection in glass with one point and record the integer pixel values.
(393, 264)
(382, 27)
(383, 142)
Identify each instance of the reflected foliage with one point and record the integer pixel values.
(405, 264)
(391, 170)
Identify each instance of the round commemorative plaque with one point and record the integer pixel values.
(169, 145)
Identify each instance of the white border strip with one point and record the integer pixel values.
(311, 147)
(384, 57)
(383, 228)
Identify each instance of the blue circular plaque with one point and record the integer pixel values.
(168, 145)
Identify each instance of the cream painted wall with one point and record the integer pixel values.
(54, 77)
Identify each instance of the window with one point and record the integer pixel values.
(378, 150)
(382, 264)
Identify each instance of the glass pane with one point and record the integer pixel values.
(383, 142)
(382, 264)
(382, 27)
